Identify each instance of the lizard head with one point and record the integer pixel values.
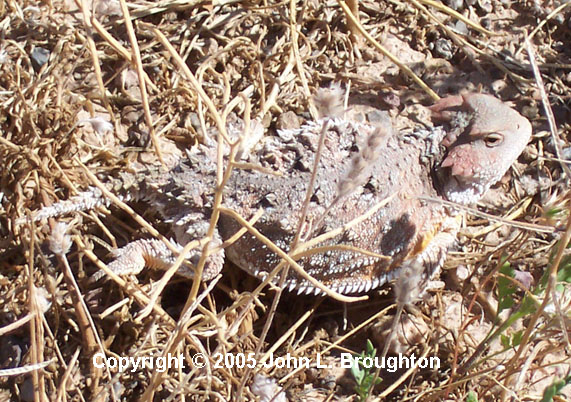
(486, 137)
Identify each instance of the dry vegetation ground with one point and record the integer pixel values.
(59, 65)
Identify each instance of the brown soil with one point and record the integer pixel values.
(59, 66)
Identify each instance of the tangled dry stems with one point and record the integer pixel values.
(200, 63)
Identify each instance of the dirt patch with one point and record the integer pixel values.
(71, 101)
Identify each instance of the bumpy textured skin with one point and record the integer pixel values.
(396, 231)
(406, 166)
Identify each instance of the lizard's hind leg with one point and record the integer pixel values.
(155, 254)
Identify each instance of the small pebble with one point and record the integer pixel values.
(524, 277)
(378, 116)
(486, 5)
(285, 135)
(329, 382)
(444, 48)
(530, 111)
(462, 273)
(486, 23)
(455, 4)
(559, 19)
(27, 390)
(39, 57)
(288, 121)
(461, 27)
(498, 86)
(391, 99)
(195, 121)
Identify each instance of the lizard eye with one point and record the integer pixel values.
(493, 140)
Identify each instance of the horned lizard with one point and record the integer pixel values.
(361, 166)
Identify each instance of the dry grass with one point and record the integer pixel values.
(200, 62)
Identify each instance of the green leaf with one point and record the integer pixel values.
(564, 272)
(472, 397)
(528, 306)
(506, 288)
(364, 376)
(358, 374)
(552, 212)
(505, 341)
(554, 389)
(371, 351)
(516, 338)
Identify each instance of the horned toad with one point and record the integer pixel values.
(361, 166)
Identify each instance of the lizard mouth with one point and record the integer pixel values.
(463, 190)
